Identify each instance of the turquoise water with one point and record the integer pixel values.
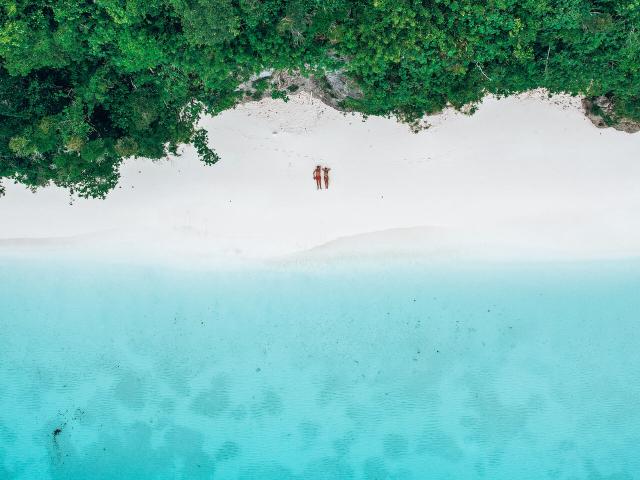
(496, 372)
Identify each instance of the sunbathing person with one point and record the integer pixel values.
(317, 176)
(326, 177)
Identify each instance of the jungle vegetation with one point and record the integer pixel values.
(87, 83)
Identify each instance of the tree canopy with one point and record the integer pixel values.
(87, 83)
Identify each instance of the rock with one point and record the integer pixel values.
(332, 88)
(601, 112)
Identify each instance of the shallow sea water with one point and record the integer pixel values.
(401, 372)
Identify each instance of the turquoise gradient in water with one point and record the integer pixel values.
(496, 372)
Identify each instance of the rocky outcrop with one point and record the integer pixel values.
(601, 112)
(332, 88)
(335, 88)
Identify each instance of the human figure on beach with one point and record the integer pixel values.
(317, 176)
(326, 177)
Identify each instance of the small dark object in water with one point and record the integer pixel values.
(57, 432)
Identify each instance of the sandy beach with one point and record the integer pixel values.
(460, 303)
(526, 177)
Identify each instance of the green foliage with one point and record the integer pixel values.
(412, 57)
(200, 141)
(280, 94)
(87, 83)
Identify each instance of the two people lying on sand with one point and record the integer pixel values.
(317, 176)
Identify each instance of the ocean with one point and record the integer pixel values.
(341, 371)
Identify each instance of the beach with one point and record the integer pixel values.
(339, 240)
(460, 303)
(524, 178)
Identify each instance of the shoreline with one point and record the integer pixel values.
(524, 178)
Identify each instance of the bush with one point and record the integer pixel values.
(84, 84)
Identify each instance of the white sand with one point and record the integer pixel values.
(524, 178)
